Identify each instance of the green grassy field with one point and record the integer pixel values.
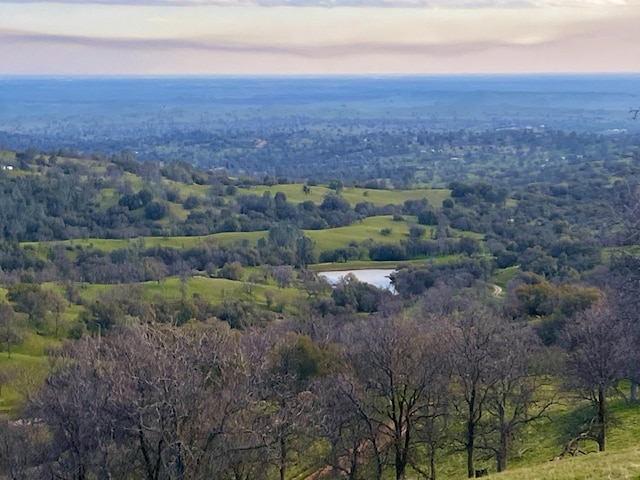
(354, 195)
(328, 239)
(214, 290)
(368, 229)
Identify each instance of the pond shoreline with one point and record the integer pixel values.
(378, 277)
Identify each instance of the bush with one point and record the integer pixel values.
(416, 231)
(232, 271)
(156, 211)
(387, 252)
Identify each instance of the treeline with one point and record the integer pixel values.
(355, 150)
(359, 396)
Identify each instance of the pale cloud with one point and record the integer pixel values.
(437, 4)
(235, 36)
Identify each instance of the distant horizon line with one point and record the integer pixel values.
(91, 76)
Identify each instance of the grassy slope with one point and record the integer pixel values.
(620, 464)
(367, 229)
(213, 289)
(543, 441)
(354, 195)
(27, 366)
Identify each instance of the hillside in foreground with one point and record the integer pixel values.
(176, 314)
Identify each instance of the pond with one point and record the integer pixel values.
(378, 277)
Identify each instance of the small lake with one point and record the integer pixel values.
(378, 277)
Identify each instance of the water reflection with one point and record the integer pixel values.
(378, 277)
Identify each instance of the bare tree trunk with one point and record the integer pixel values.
(502, 454)
(283, 457)
(504, 441)
(432, 465)
(471, 436)
(602, 411)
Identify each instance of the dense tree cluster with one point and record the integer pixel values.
(355, 395)
(205, 401)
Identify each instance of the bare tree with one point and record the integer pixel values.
(517, 397)
(22, 449)
(287, 391)
(473, 341)
(401, 371)
(10, 333)
(597, 345)
(73, 405)
(154, 402)
(345, 429)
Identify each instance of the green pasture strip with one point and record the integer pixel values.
(362, 265)
(54, 287)
(230, 238)
(28, 371)
(215, 290)
(34, 345)
(136, 182)
(107, 197)
(329, 239)
(201, 191)
(90, 291)
(177, 212)
(368, 229)
(505, 275)
(354, 195)
(293, 192)
(111, 244)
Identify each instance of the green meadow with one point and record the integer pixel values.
(369, 229)
(215, 290)
(354, 195)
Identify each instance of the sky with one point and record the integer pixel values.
(309, 37)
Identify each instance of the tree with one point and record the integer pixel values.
(516, 397)
(343, 428)
(150, 403)
(282, 275)
(8, 373)
(22, 445)
(597, 344)
(57, 305)
(156, 210)
(473, 338)
(304, 251)
(232, 271)
(10, 333)
(296, 360)
(31, 299)
(402, 375)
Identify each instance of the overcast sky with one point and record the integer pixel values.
(152, 37)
